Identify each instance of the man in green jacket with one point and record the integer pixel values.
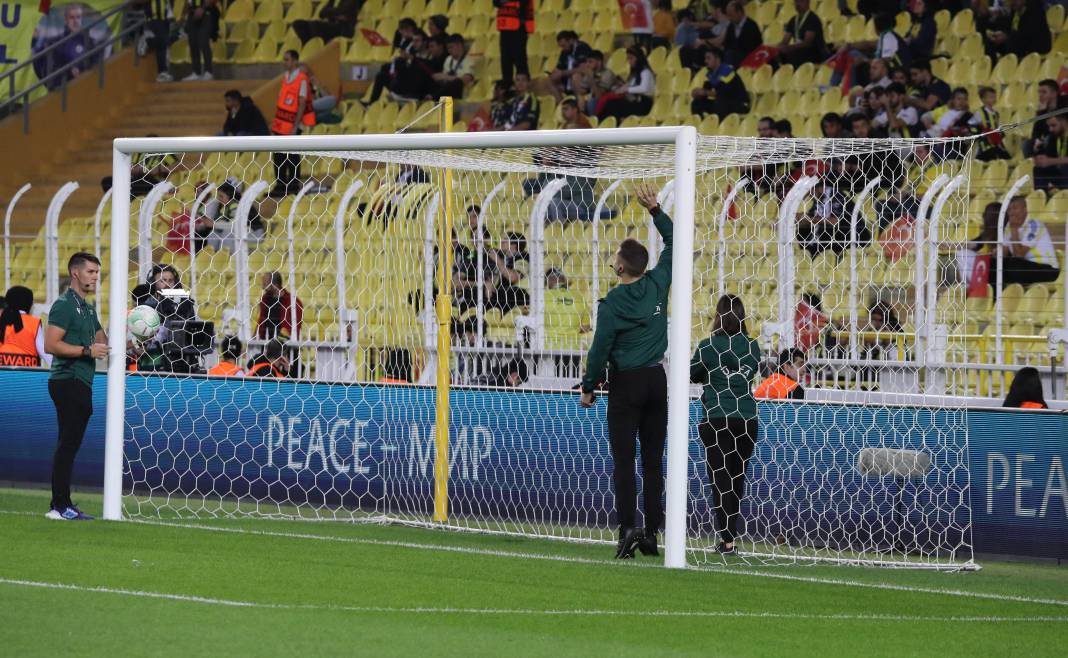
(630, 339)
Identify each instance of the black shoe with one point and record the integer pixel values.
(647, 544)
(723, 550)
(628, 541)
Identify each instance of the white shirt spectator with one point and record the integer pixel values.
(646, 84)
(1035, 235)
(906, 114)
(887, 45)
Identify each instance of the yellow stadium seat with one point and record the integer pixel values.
(268, 12)
(239, 11)
(299, 10)
(276, 31)
(963, 24)
(266, 51)
(1005, 70)
(971, 47)
(313, 46)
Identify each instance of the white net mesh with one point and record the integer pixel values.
(842, 250)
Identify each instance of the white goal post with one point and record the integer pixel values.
(683, 139)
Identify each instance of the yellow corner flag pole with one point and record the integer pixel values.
(444, 316)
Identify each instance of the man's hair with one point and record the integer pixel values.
(737, 5)
(455, 37)
(715, 51)
(983, 91)
(519, 367)
(570, 102)
(406, 22)
(474, 207)
(228, 190)
(234, 94)
(231, 348)
(784, 126)
(596, 54)
(962, 90)
(878, 91)
(770, 120)
(273, 349)
(790, 355)
(521, 73)
(833, 117)
(276, 278)
(566, 34)
(292, 53)
(520, 241)
(1051, 83)
(896, 88)
(79, 259)
(440, 39)
(853, 118)
(440, 20)
(921, 65)
(684, 14)
(635, 257)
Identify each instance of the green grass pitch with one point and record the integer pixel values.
(257, 587)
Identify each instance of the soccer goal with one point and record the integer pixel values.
(421, 306)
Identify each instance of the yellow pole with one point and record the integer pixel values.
(444, 317)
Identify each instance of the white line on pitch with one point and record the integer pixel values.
(629, 563)
(739, 614)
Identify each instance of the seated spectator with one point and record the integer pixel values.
(525, 108)
(501, 104)
(766, 127)
(635, 96)
(403, 38)
(663, 25)
(742, 35)
(573, 118)
(802, 39)
(928, 92)
(230, 350)
(785, 382)
(987, 120)
(337, 18)
(1051, 156)
(1024, 31)
(899, 119)
(573, 53)
(783, 129)
(437, 26)
(832, 127)
(323, 102)
(512, 374)
(276, 310)
(243, 118)
(272, 362)
(825, 226)
(722, 91)
(922, 32)
(860, 126)
(881, 320)
(21, 335)
(688, 40)
(887, 46)
(412, 72)
(592, 81)
(511, 265)
(809, 321)
(567, 315)
(1048, 96)
(948, 120)
(458, 72)
(1029, 247)
(1026, 390)
(218, 232)
(147, 171)
(165, 277)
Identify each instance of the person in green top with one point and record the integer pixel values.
(630, 339)
(75, 340)
(726, 363)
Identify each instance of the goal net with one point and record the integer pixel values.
(411, 317)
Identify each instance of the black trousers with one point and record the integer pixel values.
(160, 41)
(729, 443)
(513, 54)
(1021, 271)
(286, 172)
(638, 405)
(199, 33)
(718, 106)
(74, 405)
(621, 108)
(326, 30)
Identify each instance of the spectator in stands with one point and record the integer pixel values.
(687, 38)
(458, 73)
(147, 170)
(722, 92)
(501, 105)
(219, 232)
(742, 35)
(766, 127)
(1048, 95)
(1027, 249)
(515, 21)
(242, 116)
(323, 101)
(412, 75)
(512, 263)
(1024, 31)
(21, 335)
(337, 18)
(230, 350)
(922, 32)
(276, 310)
(809, 321)
(402, 43)
(513, 374)
(831, 126)
(803, 37)
(567, 317)
(881, 320)
(949, 120)
(573, 53)
(784, 129)
(860, 126)
(272, 362)
(1051, 157)
(991, 146)
(635, 96)
(899, 119)
(663, 25)
(158, 17)
(293, 113)
(438, 26)
(1026, 390)
(525, 108)
(201, 26)
(593, 81)
(74, 50)
(928, 92)
(825, 226)
(573, 117)
(887, 46)
(785, 382)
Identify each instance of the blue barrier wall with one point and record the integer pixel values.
(519, 454)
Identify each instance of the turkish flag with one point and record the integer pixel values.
(898, 239)
(637, 16)
(842, 63)
(480, 122)
(979, 281)
(374, 38)
(759, 57)
(1062, 79)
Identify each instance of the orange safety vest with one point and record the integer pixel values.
(285, 114)
(19, 348)
(255, 370)
(509, 20)
(226, 369)
(1032, 405)
(776, 387)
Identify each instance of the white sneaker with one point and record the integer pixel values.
(192, 77)
(165, 77)
(206, 75)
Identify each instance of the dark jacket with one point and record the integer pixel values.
(247, 121)
(1030, 34)
(738, 47)
(632, 319)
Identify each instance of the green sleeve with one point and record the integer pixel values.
(60, 315)
(698, 369)
(603, 337)
(661, 274)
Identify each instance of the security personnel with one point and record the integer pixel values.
(515, 20)
(272, 363)
(294, 110)
(75, 340)
(230, 352)
(784, 383)
(21, 338)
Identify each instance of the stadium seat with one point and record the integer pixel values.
(268, 12)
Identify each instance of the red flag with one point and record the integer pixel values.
(732, 210)
(637, 16)
(374, 38)
(480, 122)
(759, 57)
(44, 6)
(897, 240)
(842, 63)
(979, 281)
(1062, 79)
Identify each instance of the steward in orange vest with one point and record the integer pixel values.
(229, 352)
(19, 331)
(515, 20)
(513, 14)
(289, 110)
(272, 363)
(783, 383)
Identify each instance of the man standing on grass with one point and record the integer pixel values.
(631, 338)
(75, 340)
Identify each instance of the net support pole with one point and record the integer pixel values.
(854, 319)
(679, 348)
(596, 252)
(934, 380)
(7, 233)
(721, 227)
(116, 388)
(100, 292)
(52, 239)
(193, 213)
(999, 358)
(443, 305)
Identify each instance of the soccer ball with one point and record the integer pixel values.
(142, 322)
